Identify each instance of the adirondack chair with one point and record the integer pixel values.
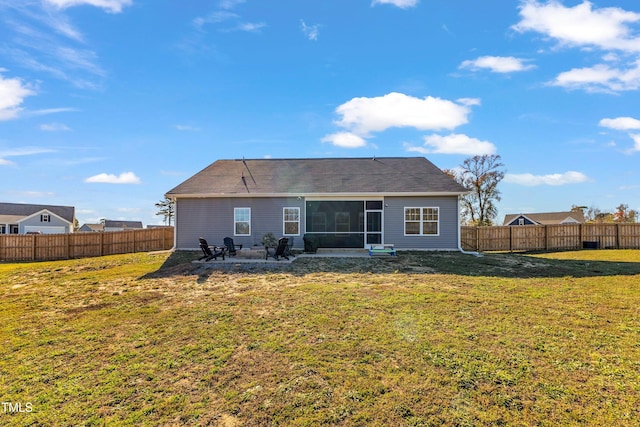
(231, 247)
(278, 251)
(208, 254)
(287, 251)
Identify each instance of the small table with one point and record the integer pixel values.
(387, 249)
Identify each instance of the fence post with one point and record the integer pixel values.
(34, 247)
(511, 238)
(546, 237)
(581, 236)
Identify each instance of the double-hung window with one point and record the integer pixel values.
(242, 221)
(45, 218)
(291, 221)
(421, 221)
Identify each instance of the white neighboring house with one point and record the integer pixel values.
(17, 218)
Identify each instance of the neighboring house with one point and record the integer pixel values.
(114, 225)
(18, 218)
(341, 202)
(545, 218)
(111, 225)
(91, 228)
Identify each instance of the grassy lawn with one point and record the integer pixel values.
(425, 339)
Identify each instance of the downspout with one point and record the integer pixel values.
(476, 254)
(175, 223)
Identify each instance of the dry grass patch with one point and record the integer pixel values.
(425, 339)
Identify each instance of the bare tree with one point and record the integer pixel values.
(481, 175)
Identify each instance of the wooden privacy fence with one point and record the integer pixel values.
(551, 237)
(46, 247)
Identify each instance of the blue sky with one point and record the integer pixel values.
(107, 104)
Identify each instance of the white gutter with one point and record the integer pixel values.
(477, 254)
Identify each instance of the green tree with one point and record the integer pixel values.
(166, 209)
(481, 175)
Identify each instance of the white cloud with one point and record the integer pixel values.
(624, 124)
(12, 94)
(497, 64)
(54, 127)
(187, 128)
(600, 78)
(214, 18)
(402, 4)
(43, 39)
(113, 6)
(220, 16)
(25, 151)
(345, 140)
(587, 27)
(22, 151)
(556, 179)
(365, 115)
(47, 111)
(250, 27)
(453, 144)
(230, 4)
(123, 178)
(621, 123)
(469, 102)
(310, 31)
(581, 25)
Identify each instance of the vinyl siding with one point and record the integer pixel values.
(212, 218)
(448, 226)
(34, 221)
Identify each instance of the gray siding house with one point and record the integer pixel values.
(340, 202)
(19, 218)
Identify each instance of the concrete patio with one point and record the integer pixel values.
(322, 253)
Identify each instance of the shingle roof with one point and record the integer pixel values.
(108, 223)
(319, 176)
(23, 210)
(546, 218)
(92, 227)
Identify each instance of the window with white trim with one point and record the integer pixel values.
(291, 221)
(242, 221)
(421, 221)
(45, 218)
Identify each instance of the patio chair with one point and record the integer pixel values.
(231, 247)
(208, 253)
(278, 251)
(287, 251)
